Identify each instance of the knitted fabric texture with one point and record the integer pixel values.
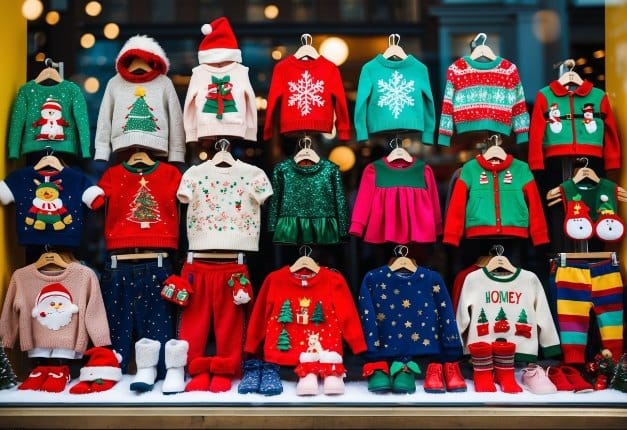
(141, 207)
(49, 116)
(306, 94)
(405, 315)
(39, 324)
(224, 205)
(495, 199)
(483, 97)
(394, 95)
(220, 101)
(309, 204)
(50, 206)
(512, 307)
(574, 124)
(397, 202)
(294, 314)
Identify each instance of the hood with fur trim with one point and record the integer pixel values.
(141, 59)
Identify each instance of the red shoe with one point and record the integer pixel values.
(455, 382)
(579, 384)
(558, 379)
(434, 382)
(35, 379)
(58, 377)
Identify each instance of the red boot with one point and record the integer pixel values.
(199, 368)
(455, 382)
(483, 366)
(504, 367)
(222, 372)
(434, 381)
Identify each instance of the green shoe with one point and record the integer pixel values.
(378, 374)
(404, 376)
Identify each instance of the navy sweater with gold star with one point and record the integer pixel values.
(407, 314)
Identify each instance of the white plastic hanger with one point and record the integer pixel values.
(398, 152)
(500, 262)
(402, 262)
(494, 150)
(570, 77)
(305, 261)
(394, 50)
(306, 153)
(222, 157)
(482, 51)
(306, 50)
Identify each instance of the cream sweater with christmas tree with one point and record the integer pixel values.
(511, 307)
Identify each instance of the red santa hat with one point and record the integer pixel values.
(55, 289)
(51, 104)
(219, 43)
(144, 48)
(103, 363)
(588, 107)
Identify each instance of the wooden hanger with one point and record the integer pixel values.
(500, 262)
(139, 64)
(482, 50)
(51, 258)
(49, 160)
(401, 261)
(193, 255)
(563, 256)
(394, 50)
(494, 150)
(585, 172)
(48, 73)
(306, 50)
(140, 157)
(306, 153)
(138, 255)
(222, 157)
(305, 261)
(398, 152)
(570, 77)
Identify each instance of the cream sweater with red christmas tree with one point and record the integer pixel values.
(511, 307)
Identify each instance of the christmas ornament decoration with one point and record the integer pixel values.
(242, 290)
(176, 290)
(219, 43)
(7, 377)
(577, 221)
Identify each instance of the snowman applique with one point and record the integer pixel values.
(609, 226)
(577, 222)
(555, 122)
(51, 122)
(588, 118)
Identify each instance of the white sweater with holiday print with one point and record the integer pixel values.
(224, 205)
(511, 307)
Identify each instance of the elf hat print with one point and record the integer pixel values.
(219, 43)
(577, 222)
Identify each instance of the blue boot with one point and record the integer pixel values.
(251, 377)
(270, 380)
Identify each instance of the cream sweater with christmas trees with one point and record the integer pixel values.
(511, 307)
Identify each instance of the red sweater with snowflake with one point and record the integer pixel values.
(306, 94)
(291, 308)
(141, 209)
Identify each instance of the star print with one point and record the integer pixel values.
(392, 306)
(370, 334)
(143, 181)
(443, 304)
(400, 335)
(426, 305)
(415, 337)
(389, 275)
(397, 291)
(407, 324)
(393, 323)
(426, 342)
(366, 311)
(380, 316)
(383, 285)
(420, 313)
(406, 303)
(377, 343)
(436, 288)
(423, 324)
(448, 321)
(383, 297)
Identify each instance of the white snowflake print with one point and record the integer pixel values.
(306, 93)
(395, 93)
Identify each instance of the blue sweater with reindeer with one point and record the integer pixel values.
(50, 205)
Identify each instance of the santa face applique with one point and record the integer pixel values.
(51, 121)
(54, 308)
(577, 224)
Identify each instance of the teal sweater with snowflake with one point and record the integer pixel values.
(394, 95)
(52, 116)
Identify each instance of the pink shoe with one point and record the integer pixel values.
(535, 380)
(333, 385)
(307, 385)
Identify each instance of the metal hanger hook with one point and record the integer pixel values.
(305, 250)
(583, 160)
(304, 142)
(49, 150)
(497, 249)
(394, 39)
(401, 250)
(395, 142)
(222, 144)
(479, 36)
(306, 39)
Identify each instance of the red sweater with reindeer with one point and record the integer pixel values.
(293, 312)
(141, 206)
(307, 94)
(513, 307)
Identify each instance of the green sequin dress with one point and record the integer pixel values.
(308, 205)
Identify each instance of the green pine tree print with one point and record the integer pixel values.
(285, 314)
(144, 208)
(318, 315)
(140, 117)
(283, 341)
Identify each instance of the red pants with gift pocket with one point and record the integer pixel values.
(210, 306)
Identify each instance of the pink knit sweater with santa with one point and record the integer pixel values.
(57, 310)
